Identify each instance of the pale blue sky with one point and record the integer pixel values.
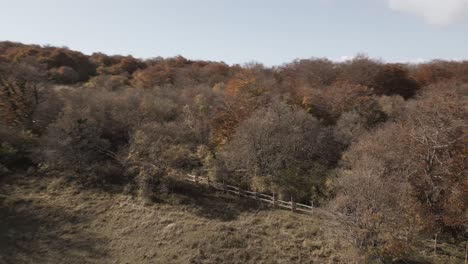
(238, 31)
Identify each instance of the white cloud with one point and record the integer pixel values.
(344, 58)
(437, 12)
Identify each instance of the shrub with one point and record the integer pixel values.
(16, 147)
(157, 150)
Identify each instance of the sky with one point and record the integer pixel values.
(271, 32)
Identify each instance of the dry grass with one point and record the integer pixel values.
(50, 220)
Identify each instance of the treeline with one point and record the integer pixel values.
(382, 145)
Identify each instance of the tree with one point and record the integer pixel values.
(394, 79)
(159, 152)
(60, 57)
(406, 176)
(95, 127)
(64, 74)
(349, 127)
(330, 102)
(372, 193)
(275, 149)
(52, 58)
(161, 72)
(430, 73)
(315, 73)
(20, 93)
(360, 70)
(154, 75)
(248, 90)
(16, 146)
(437, 138)
(116, 65)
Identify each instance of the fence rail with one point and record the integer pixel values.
(235, 190)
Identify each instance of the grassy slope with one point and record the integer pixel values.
(51, 221)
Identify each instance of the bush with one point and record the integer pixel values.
(16, 147)
(93, 129)
(160, 149)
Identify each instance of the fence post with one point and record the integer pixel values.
(208, 181)
(224, 186)
(275, 200)
(466, 252)
(293, 205)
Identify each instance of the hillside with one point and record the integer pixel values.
(51, 220)
(379, 146)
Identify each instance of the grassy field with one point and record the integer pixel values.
(51, 220)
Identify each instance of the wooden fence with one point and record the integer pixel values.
(270, 199)
(265, 198)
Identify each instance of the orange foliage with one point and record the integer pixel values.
(330, 102)
(155, 75)
(116, 65)
(64, 74)
(52, 57)
(430, 73)
(244, 93)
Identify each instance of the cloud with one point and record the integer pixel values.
(418, 60)
(344, 58)
(436, 12)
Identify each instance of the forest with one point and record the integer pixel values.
(381, 146)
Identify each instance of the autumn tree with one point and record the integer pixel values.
(214, 72)
(394, 79)
(372, 191)
(360, 70)
(53, 58)
(20, 93)
(330, 102)
(16, 148)
(437, 138)
(276, 151)
(95, 127)
(108, 82)
(116, 65)
(92, 135)
(461, 72)
(407, 176)
(159, 151)
(64, 74)
(430, 73)
(248, 90)
(314, 73)
(159, 72)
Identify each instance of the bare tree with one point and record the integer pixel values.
(276, 147)
(20, 93)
